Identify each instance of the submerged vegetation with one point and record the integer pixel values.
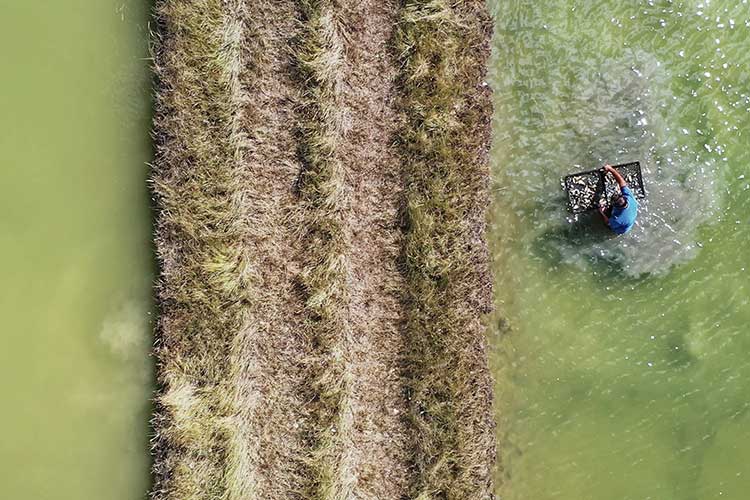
(211, 437)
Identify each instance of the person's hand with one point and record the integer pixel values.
(608, 168)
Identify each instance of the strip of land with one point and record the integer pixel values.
(445, 138)
(274, 361)
(205, 285)
(379, 437)
(321, 181)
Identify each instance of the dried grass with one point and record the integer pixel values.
(320, 59)
(442, 53)
(205, 278)
(208, 287)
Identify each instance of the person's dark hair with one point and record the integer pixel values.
(620, 201)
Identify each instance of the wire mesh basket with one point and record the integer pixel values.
(586, 190)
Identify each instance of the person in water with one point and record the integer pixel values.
(624, 207)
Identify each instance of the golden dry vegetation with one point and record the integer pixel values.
(321, 184)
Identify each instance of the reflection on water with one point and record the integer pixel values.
(621, 361)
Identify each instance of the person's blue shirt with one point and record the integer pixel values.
(622, 219)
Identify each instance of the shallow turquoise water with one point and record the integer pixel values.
(75, 251)
(622, 363)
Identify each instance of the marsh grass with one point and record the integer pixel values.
(205, 271)
(442, 64)
(322, 188)
(208, 284)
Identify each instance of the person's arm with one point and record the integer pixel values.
(604, 216)
(620, 181)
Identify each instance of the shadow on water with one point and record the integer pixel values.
(581, 240)
(588, 231)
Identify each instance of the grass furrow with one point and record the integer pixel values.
(442, 65)
(205, 280)
(320, 57)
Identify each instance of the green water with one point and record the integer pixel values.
(623, 364)
(76, 261)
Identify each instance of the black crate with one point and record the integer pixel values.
(586, 189)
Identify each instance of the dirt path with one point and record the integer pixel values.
(379, 437)
(272, 385)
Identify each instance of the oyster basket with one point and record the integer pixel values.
(585, 189)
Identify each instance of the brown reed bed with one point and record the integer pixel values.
(263, 393)
(204, 282)
(319, 58)
(443, 47)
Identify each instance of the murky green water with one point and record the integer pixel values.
(623, 365)
(75, 255)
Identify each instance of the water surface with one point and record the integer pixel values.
(75, 256)
(622, 363)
